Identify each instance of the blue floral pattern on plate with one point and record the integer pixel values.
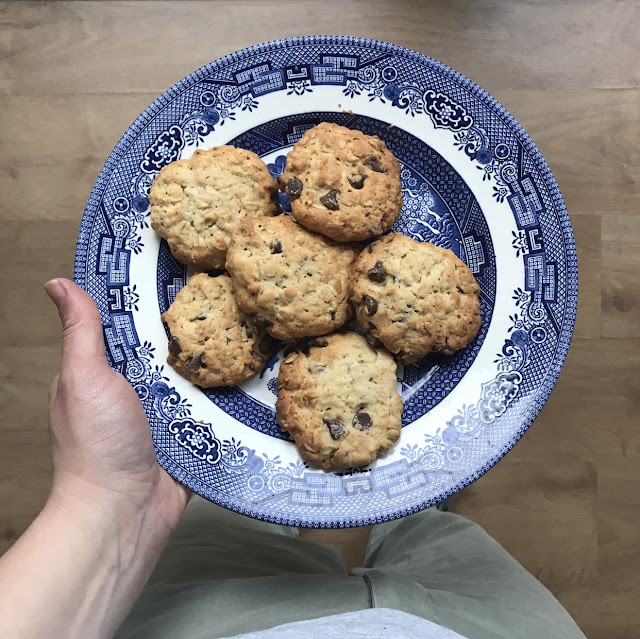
(472, 181)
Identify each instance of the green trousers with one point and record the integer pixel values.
(224, 574)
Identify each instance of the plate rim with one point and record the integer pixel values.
(548, 382)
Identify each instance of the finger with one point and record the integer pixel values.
(82, 339)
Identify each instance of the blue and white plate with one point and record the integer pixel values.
(472, 181)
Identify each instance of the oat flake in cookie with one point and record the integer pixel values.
(338, 401)
(415, 297)
(212, 342)
(196, 203)
(342, 183)
(291, 281)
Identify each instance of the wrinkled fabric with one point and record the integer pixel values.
(224, 574)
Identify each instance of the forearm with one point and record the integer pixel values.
(77, 570)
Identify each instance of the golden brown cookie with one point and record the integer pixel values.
(292, 281)
(342, 183)
(196, 203)
(338, 401)
(415, 297)
(213, 343)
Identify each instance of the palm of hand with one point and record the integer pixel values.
(100, 433)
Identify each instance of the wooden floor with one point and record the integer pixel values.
(566, 500)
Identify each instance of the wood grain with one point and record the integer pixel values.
(74, 75)
(124, 47)
(621, 270)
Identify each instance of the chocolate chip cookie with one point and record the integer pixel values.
(342, 183)
(213, 343)
(292, 281)
(196, 203)
(415, 297)
(338, 401)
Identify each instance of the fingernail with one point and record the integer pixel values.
(55, 291)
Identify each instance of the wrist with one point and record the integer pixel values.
(80, 566)
(133, 526)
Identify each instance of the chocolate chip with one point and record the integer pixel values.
(370, 305)
(330, 200)
(276, 246)
(201, 317)
(378, 273)
(305, 344)
(374, 164)
(357, 181)
(370, 247)
(333, 315)
(267, 344)
(195, 363)
(247, 329)
(260, 323)
(293, 188)
(362, 421)
(336, 428)
(374, 342)
(174, 347)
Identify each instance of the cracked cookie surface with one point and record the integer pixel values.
(196, 203)
(415, 297)
(213, 343)
(291, 280)
(342, 183)
(338, 401)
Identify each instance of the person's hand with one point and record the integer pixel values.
(101, 441)
(81, 564)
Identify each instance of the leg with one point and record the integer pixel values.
(223, 574)
(466, 580)
(215, 543)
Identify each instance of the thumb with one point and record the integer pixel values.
(82, 338)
